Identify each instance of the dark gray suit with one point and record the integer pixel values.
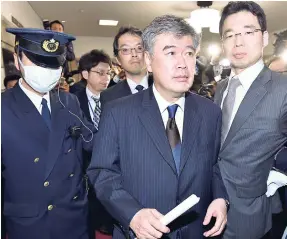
(258, 131)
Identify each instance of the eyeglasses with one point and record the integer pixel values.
(128, 51)
(230, 36)
(101, 73)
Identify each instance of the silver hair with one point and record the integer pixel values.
(168, 24)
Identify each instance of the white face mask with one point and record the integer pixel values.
(41, 79)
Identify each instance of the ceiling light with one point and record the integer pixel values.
(63, 21)
(108, 23)
(205, 17)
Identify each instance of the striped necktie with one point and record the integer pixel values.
(173, 135)
(97, 112)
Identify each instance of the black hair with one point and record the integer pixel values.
(92, 59)
(56, 22)
(123, 30)
(235, 7)
(10, 78)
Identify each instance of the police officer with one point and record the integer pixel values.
(43, 134)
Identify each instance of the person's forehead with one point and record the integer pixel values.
(102, 65)
(240, 19)
(129, 39)
(56, 25)
(171, 39)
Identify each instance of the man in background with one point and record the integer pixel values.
(129, 51)
(95, 68)
(57, 26)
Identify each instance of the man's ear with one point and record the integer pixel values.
(85, 74)
(148, 61)
(118, 60)
(16, 62)
(265, 38)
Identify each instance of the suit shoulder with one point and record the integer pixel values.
(127, 102)
(205, 103)
(112, 88)
(6, 96)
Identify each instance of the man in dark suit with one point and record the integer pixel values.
(156, 148)
(128, 49)
(95, 67)
(43, 133)
(254, 124)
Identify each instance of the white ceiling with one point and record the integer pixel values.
(82, 17)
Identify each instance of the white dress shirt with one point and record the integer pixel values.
(133, 85)
(92, 103)
(35, 98)
(246, 79)
(163, 104)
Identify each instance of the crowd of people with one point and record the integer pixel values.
(116, 151)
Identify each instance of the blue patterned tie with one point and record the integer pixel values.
(46, 113)
(173, 135)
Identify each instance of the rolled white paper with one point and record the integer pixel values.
(180, 209)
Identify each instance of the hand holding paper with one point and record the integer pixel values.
(151, 226)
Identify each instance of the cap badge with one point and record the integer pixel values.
(51, 45)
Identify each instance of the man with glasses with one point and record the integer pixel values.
(95, 67)
(254, 123)
(129, 51)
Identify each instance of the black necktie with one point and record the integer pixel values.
(173, 135)
(46, 113)
(139, 88)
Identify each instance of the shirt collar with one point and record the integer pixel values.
(247, 76)
(163, 104)
(35, 98)
(90, 95)
(133, 85)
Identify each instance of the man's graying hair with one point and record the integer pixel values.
(168, 24)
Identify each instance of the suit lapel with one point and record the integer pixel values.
(58, 130)
(252, 98)
(125, 88)
(26, 111)
(219, 94)
(152, 121)
(190, 129)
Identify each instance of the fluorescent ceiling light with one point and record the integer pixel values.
(63, 21)
(108, 23)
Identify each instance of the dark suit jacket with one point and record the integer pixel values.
(132, 165)
(119, 90)
(281, 164)
(32, 155)
(78, 87)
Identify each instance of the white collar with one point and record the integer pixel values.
(35, 98)
(133, 85)
(163, 104)
(90, 95)
(247, 76)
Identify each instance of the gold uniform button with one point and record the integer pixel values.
(36, 160)
(50, 207)
(46, 184)
(69, 150)
(75, 197)
(71, 175)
